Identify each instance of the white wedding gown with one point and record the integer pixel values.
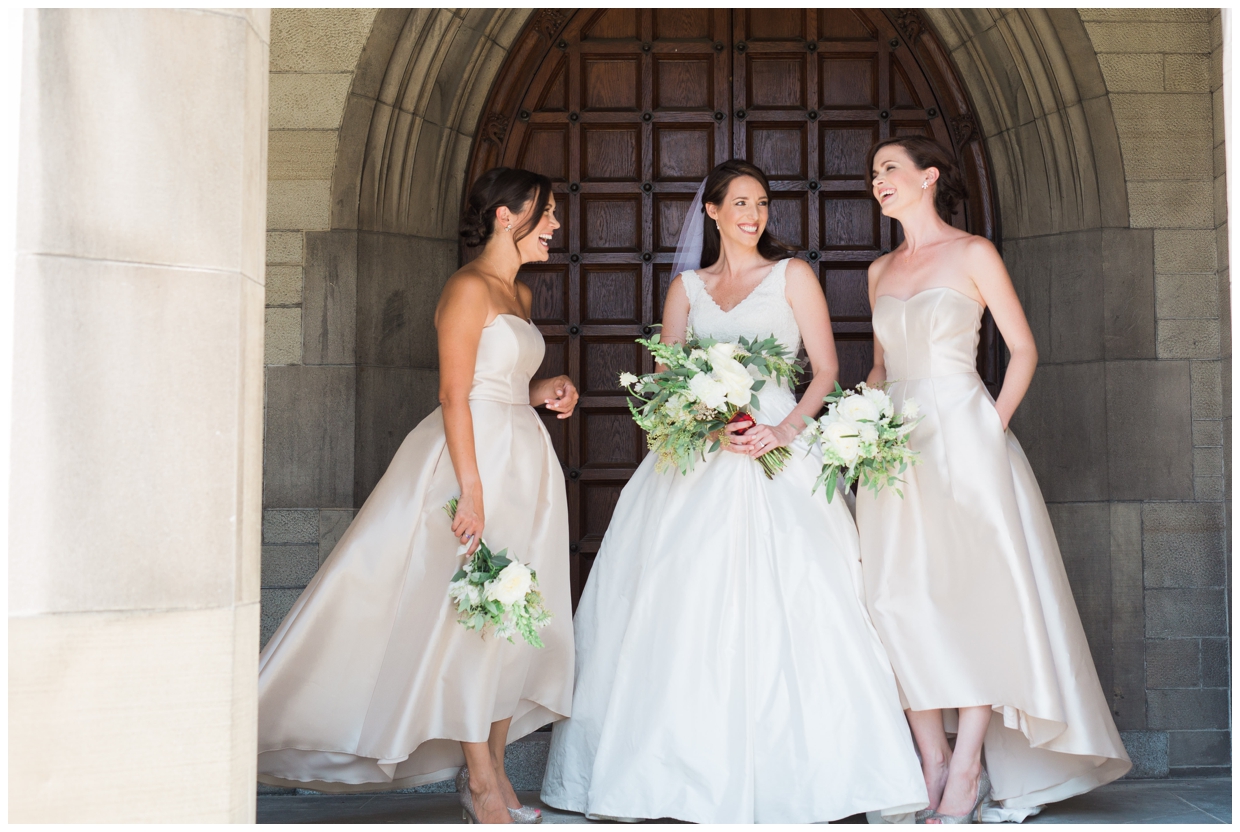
(727, 670)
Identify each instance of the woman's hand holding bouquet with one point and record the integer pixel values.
(493, 590)
(706, 390)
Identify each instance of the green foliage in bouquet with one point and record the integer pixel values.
(493, 590)
(863, 439)
(706, 383)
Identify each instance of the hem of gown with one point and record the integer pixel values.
(1107, 772)
(566, 805)
(523, 726)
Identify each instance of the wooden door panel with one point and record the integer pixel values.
(610, 153)
(847, 291)
(610, 83)
(611, 295)
(613, 24)
(628, 109)
(549, 284)
(603, 359)
(683, 82)
(611, 223)
(788, 219)
(781, 149)
(842, 25)
(776, 24)
(848, 81)
(685, 24)
(546, 152)
(610, 439)
(683, 152)
(776, 80)
(842, 150)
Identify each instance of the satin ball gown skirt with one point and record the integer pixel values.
(370, 682)
(964, 577)
(727, 671)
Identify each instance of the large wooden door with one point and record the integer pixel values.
(628, 109)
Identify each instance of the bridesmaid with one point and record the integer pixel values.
(964, 580)
(370, 683)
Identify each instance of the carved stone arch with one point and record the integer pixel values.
(411, 118)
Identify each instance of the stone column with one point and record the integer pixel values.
(137, 416)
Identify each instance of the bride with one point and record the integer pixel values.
(727, 671)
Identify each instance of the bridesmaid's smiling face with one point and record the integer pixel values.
(896, 182)
(535, 246)
(744, 212)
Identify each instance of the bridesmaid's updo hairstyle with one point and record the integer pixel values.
(949, 190)
(716, 191)
(511, 188)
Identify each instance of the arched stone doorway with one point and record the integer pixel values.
(1089, 209)
(626, 110)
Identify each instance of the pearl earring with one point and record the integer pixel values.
(508, 227)
(925, 185)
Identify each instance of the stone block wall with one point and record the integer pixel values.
(311, 289)
(1163, 72)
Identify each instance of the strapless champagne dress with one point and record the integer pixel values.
(370, 682)
(963, 576)
(727, 671)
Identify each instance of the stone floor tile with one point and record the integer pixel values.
(1133, 801)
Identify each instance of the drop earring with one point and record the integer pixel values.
(925, 185)
(508, 227)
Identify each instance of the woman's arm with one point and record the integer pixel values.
(878, 372)
(462, 313)
(675, 316)
(809, 306)
(990, 276)
(557, 393)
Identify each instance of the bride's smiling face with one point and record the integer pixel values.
(743, 213)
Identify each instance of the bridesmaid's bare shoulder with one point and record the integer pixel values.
(466, 293)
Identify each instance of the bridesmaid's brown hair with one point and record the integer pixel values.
(511, 188)
(949, 191)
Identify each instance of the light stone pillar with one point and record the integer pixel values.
(137, 416)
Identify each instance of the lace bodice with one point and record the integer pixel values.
(764, 312)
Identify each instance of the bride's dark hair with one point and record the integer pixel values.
(511, 188)
(716, 191)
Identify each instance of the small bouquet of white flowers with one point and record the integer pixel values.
(492, 590)
(707, 385)
(863, 438)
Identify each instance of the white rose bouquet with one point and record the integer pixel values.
(863, 438)
(707, 384)
(492, 590)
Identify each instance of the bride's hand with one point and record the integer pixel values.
(734, 442)
(761, 439)
(469, 521)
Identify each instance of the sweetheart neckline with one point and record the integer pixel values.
(924, 291)
(499, 315)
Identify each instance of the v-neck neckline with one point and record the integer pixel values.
(742, 301)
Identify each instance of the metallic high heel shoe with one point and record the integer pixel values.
(526, 814)
(466, 797)
(974, 815)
